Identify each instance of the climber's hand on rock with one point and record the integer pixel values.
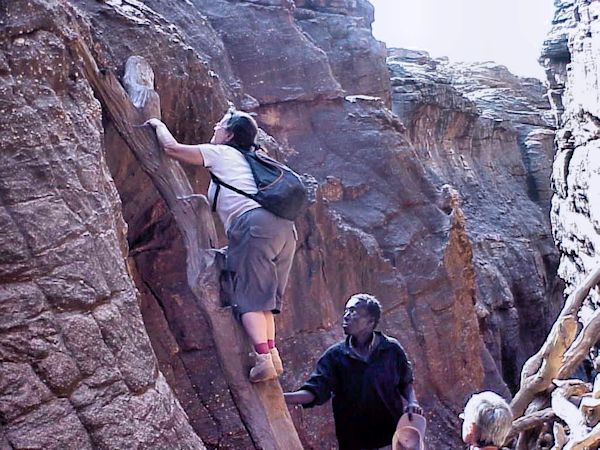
(154, 123)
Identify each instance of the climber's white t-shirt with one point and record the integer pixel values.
(230, 166)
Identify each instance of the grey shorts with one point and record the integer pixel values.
(259, 259)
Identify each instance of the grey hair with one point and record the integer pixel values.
(492, 418)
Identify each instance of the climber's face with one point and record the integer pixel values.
(221, 134)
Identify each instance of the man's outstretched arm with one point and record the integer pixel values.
(412, 405)
(301, 397)
(318, 388)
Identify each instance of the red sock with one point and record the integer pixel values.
(271, 343)
(261, 348)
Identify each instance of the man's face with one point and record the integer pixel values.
(356, 319)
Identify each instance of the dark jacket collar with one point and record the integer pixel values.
(384, 342)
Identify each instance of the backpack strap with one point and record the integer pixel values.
(220, 183)
(245, 151)
(217, 190)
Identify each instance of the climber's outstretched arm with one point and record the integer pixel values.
(182, 152)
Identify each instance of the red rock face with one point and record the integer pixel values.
(459, 285)
(77, 368)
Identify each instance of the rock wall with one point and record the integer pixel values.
(385, 220)
(571, 57)
(78, 370)
(489, 135)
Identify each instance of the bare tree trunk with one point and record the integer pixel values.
(261, 407)
(588, 441)
(568, 412)
(560, 436)
(562, 352)
(530, 421)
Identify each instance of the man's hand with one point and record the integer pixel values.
(154, 123)
(413, 408)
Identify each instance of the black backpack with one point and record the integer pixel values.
(280, 189)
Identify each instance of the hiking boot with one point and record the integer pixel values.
(263, 369)
(276, 361)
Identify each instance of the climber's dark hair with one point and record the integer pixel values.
(243, 127)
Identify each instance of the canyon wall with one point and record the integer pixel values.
(489, 135)
(571, 58)
(77, 370)
(432, 194)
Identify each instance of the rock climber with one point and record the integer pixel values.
(261, 245)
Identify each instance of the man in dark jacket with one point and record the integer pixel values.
(369, 377)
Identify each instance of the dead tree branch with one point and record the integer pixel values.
(530, 421)
(549, 362)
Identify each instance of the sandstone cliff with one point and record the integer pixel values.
(571, 58)
(489, 134)
(463, 287)
(551, 378)
(78, 370)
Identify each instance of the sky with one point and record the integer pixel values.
(509, 32)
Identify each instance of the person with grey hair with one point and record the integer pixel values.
(369, 378)
(487, 419)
